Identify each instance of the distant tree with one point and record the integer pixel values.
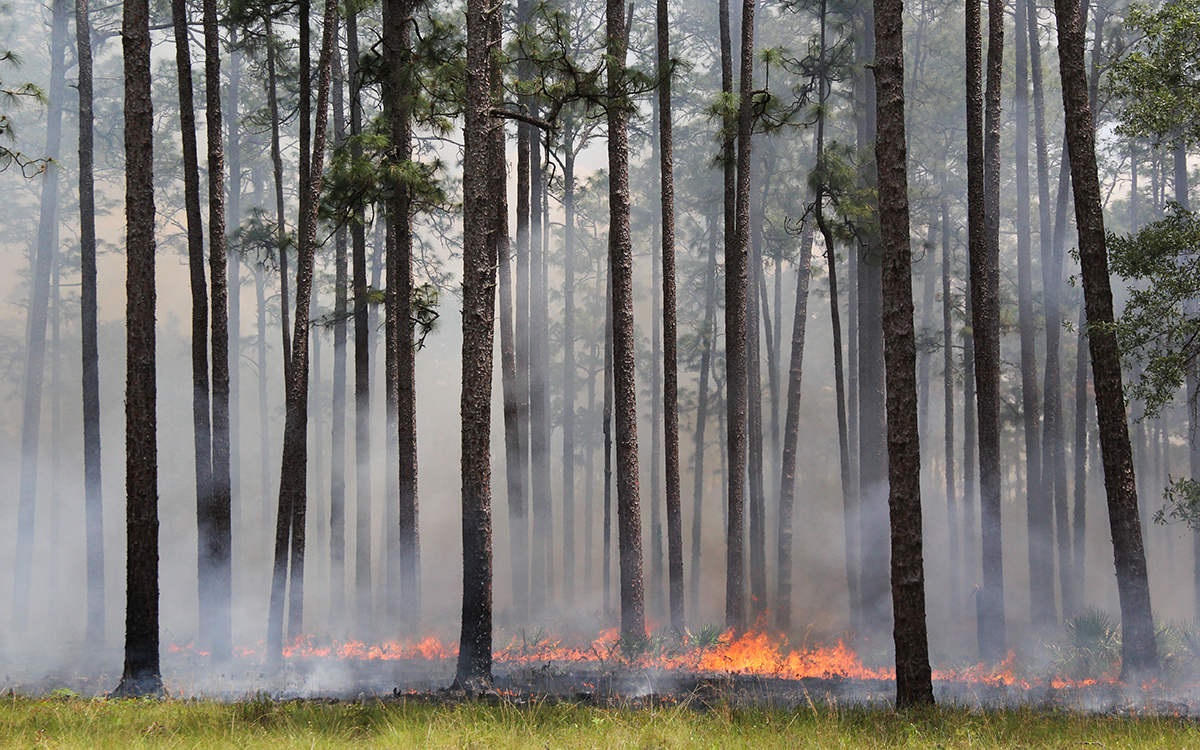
(45, 250)
(92, 487)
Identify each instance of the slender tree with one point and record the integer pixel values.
(218, 562)
(45, 251)
(93, 490)
(670, 358)
(1039, 512)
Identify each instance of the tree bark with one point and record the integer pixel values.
(791, 428)
(620, 264)
(1039, 510)
(400, 276)
(92, 486)
(948, 399)
(707, 334)
(141, 674)
(289, 528)
(736, 355)
(914, 685)
(280, 221)
(670, 357)
(1139, 653)
(362, 366)
(474, 672)
(1054, 467)
(337, 470)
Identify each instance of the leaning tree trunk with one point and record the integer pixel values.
(474, 672)
(39, 307)
(914, 684)
(620, 268)
(93, 502)
(1139, 652)
(141, 674)
(280, 210)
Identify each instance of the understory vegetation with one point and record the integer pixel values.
(67, 722)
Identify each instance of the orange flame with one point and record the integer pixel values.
(755, 652)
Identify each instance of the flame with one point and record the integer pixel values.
(755, 652)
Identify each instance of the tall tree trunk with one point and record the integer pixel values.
(264, 414)
(620, 265)
(948, 401)
(756, 505)
(606, 428)
(914, 685)
(531, 584)
(518, 527)
(362, 366)
(289, 528)
(474, 671)
(206, 519)
(1039, 510)
(670, 357)
(737, 334)
(657, 552)
(400, 276)
(569, 375)
(985, 274)
(1079, 516)
(35, 338)
(280, 210)
(791, 429)
(735, 353)
(337, 470)
(707, 334)
(141, 674)
(1054, 467)
(873, 584)
(539, 427)
(1139, 653)
(93, 502)
(219, 563)
(233, 213)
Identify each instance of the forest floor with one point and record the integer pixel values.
(65, 721)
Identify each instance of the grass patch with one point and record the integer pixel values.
(69, 722)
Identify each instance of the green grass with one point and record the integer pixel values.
(80, 723)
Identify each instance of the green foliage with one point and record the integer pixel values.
(1182, 497)
(12, 97)
(1159, 327)
(1159, 76)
